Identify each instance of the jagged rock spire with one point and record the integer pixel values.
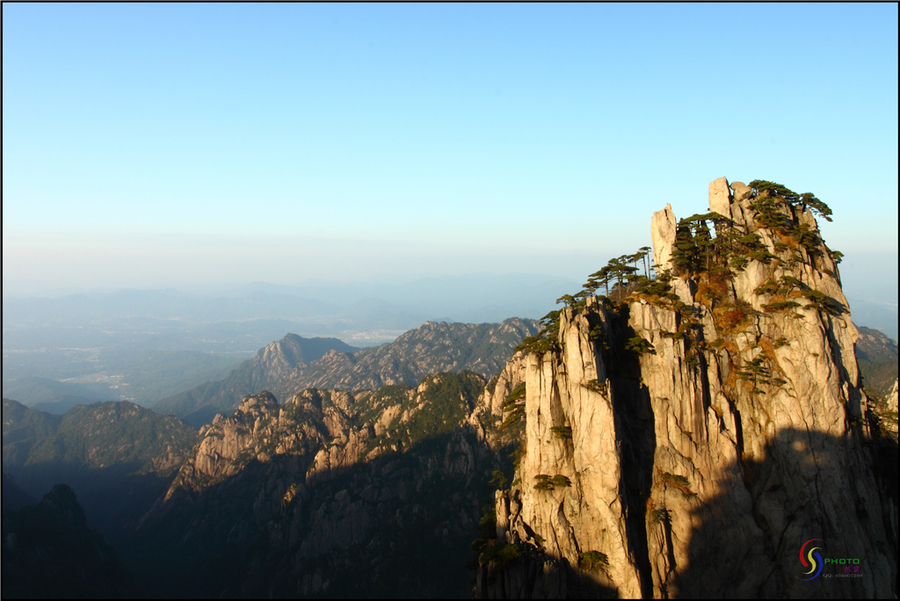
(662, 232)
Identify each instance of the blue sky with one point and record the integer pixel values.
(165, 144)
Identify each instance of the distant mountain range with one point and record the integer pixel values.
(295, 363)
(876, 355)
(196, 386)
(217, 319)
(56, 397)
(271, 364)
(370, 304)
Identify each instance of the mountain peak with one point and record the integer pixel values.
(293, 350)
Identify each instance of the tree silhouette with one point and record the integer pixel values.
(643, 252)
(568, 299)
(808, 199)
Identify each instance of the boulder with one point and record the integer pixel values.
(741, 191)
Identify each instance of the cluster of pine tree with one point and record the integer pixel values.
(619, 278)
(709, 247)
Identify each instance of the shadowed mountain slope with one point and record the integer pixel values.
(289, 499)
(49, 552)
(117, 456)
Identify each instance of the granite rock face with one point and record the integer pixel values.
(690, 444)
(741, 192)
(887, 413)
(720, 196)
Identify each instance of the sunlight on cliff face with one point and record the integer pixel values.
(732, 421)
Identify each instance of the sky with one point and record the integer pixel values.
(167, 144)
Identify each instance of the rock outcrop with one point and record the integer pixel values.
(662, 232)
(887, 412)
(720, 196)
(690, 441)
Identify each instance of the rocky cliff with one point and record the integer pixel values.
(688, 435)
(286, 500)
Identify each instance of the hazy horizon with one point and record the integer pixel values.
(871, 289)
(184, 145)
